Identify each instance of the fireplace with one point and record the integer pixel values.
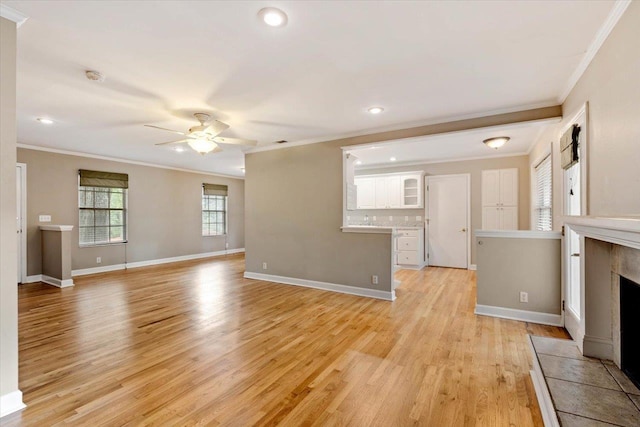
(630, 329)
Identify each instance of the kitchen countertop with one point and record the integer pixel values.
(380, 229)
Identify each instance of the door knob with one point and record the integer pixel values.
(464, 230)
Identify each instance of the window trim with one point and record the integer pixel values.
(537, 209)
(125, 211)
(533, 218)
(225, 211)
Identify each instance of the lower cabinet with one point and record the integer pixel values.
(409, 247)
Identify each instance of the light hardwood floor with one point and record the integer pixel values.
(194, 343)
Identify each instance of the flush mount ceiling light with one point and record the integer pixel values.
(375, 110)
(45, 121)
(273, 17)
(179, 149)
(392, 159)
(496, 142)
(96, 76)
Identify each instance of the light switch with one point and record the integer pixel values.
(44, 218)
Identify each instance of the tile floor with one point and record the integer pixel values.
(586, 391)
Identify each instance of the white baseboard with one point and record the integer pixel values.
(344, 289)
(472, 267)
(33, 279)
(66, 283)
(411, 267)
(521, 315)
(114, 267)
(11, 402)
(601, 348)
(545, 403)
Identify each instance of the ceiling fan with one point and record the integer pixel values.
(204, 138)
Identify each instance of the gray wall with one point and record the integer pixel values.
(507, 266)
(294, 208)
(611, 85)
(164, 214)
(8, 244)
(475, 168)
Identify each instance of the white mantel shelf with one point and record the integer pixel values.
(56, 227)
(623, 231)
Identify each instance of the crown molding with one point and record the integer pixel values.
(116, 159)
(618, 9)
(13, 15)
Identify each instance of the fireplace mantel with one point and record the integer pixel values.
(620, 231)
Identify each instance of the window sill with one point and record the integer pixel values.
(104, 244)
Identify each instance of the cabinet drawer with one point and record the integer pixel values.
(407, 243)
(407, 257)
(408, 233)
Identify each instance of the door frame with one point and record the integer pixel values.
(426, 213)
(574, 325)
(23, 221)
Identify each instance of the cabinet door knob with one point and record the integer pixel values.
(464, 230)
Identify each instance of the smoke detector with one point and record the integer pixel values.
(94, 75)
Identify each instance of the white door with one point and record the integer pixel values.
(508, 218)
(508, 187)
(395, 192)
(365, 193)
(447, 214)
(382, 193)
(490, 218)
(491, 187)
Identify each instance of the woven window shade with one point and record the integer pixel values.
(215, 190)
(569, 144)
(103, 179)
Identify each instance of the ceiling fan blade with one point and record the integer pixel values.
(215, 127)
(235, 141)
(169, 130)
(172, 142)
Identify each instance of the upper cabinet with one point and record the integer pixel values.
(411, 191)
(389, 191)
(500, 199)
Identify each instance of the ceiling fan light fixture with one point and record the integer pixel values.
(273, 17)
(202, 146)
(496, 142)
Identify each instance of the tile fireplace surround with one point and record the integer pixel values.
(610, 249)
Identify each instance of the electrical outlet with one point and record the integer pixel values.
(264, 265)
(374, 279)
(98, 260)
(226, 245)
(524, 297)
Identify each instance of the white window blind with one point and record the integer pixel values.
(543, 196)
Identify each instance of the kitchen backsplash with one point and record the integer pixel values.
(386, 220)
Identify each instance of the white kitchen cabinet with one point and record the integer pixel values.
(411, 186)
(409, 247)
(500, 199)
(389, 191)
(366, 193)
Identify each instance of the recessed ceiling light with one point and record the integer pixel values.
(375, 110)
(392, 159)
(496, 142)
(273, 17)
(45, 121)
(179, 149)
(373, 148)
(358, 162)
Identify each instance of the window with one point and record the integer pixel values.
(214, 210)
(102, 202)
(543, 189)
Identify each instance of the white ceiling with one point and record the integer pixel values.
(448, 147)
(310, 80)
